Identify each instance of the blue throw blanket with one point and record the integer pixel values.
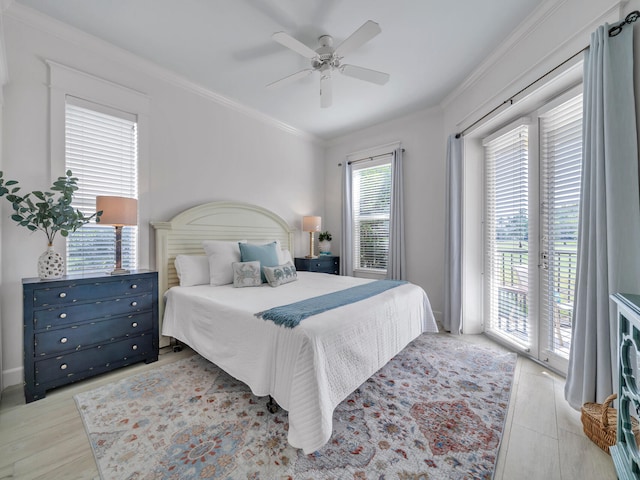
(291, 315)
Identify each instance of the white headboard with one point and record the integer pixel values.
(184, 233)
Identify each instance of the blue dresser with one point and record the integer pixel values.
(80, 326)
(625, 453)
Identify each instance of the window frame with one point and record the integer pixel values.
(66, 81)
(383, 160)
(363, 155)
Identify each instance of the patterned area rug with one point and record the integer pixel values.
(436, 411)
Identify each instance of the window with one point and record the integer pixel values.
(532, 173)
(507, 214)
(101, 151)
(371, 204)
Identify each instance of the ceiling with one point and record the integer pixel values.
(428, 47)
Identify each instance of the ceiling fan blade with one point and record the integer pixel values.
(326, 94)
(290, 78)
(366, 32)
(365, 74)
(288, 41)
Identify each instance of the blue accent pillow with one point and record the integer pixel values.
(267, 255)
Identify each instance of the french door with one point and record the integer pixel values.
(532, 170)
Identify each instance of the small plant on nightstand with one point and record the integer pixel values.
(324, 243)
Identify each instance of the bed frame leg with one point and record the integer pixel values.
(272, 406)
(176, 346)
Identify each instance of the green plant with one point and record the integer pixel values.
(324, 237)
(44, 211)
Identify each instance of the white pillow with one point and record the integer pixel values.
(222, 254)
(192, 270)
(284, 256)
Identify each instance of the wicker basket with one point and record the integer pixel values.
(599, 422)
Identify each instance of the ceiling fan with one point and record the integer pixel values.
(326, 59)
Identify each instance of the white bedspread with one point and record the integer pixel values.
(308, 369)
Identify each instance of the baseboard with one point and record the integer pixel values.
(12, 377)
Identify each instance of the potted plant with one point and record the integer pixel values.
(44, 211)
(324, 243)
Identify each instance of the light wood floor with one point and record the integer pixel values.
(543, 436)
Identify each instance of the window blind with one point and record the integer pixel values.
(507, 231)
(371, 191)
(561, 168)
(101, 151)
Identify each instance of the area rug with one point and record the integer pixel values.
(435, 411)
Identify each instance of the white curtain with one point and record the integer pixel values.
(609, 232)
(453, 237)
(346, 239)
(396, 265)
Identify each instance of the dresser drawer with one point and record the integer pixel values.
(68, 314)
(96, 358)
(72, 293)
(78, 336)
(321, 264)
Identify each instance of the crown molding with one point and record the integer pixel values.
(46, 24)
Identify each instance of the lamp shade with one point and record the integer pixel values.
(311, 224)
(117, 210)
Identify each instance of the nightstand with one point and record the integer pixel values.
(79, 326)
(322, 264)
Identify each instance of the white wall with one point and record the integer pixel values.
(424, 170)
(199, 150)
(552, 34)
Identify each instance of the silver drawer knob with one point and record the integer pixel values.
(64, 340)
(63, 366)
(62, 295)
(135, 347)
(134, 324)
(63, 315)
(134, 304)
(134, 286)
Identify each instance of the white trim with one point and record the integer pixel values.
(46, 24)
(507, 128)
(559, 100)
(64, 81)
(387, 148)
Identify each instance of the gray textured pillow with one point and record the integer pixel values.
(246, 274)
(281, 274)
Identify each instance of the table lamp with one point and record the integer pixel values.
(117, 211)
(311, 224)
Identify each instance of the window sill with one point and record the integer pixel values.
(370, 273)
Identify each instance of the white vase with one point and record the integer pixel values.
(50, 264)
(324, 246)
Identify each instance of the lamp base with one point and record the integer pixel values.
(120, 271)
(311, 256)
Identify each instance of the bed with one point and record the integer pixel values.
(308, 369)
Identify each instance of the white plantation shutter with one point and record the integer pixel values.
(101, 151)
(507, 230)
(371, 192)
(561, 167)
